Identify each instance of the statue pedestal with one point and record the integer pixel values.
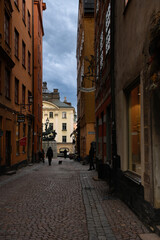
(52, 144)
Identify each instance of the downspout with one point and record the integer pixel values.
(114, 144)
(33, 157)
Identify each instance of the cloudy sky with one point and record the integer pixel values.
(59, 47)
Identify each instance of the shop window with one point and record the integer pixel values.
(134, 126)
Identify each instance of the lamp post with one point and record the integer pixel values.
(46, 124)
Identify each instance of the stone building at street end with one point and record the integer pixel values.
(59, 116)
(85, 78)
(17, 71)
(137, 94)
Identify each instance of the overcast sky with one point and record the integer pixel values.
(59, 47)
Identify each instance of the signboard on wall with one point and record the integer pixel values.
(21, 118)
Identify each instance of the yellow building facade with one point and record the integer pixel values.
(59, 116)
(16, 81)
(85, 78)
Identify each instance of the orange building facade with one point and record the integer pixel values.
(17, 81)
(39, 6)
(85, 100)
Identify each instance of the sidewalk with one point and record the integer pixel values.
(64, 202)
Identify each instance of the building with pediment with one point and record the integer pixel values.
(60, 116)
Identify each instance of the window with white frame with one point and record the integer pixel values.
(50, 114)
(101, 50)
(64, 115)
(64, 126)
(97, 6)
(64, 139)
(108, 29)
(97, 64)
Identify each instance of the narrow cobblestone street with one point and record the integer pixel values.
(62, 202)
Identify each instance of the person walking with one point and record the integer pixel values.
(91, 158)
(49, 155)
(43, 154)
(65, 153)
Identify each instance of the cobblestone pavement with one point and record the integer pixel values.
(62, 202)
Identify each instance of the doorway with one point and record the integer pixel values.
(8, 148)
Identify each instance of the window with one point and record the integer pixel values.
(29, 22)
(17, 137)
(23, 54)
(6, 28)
(29, 100)
(7, 83)
(23, 11)
(51, 126)
(97, 6)
(64, 126)
(29, 62)
(101, 50)
(24, 134)
(50, 114)
(64, 139)
(108, 29)
(23, 95)
(16, 43)
(134, 126)
(64, 115)
(16, 90)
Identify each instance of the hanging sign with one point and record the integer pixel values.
(21, 118)
(82, 89)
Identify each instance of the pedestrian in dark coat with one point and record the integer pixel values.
(43, 155)
(91, 158)
(65, 153)
(49, 155)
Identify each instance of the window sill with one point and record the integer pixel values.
(133, 176)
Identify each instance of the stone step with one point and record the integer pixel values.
(149, 236)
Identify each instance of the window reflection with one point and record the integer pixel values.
(134, 131)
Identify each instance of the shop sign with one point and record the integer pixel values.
(21, 118)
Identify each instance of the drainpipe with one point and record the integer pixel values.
(115, 157)
(114, 144)
(33, 156)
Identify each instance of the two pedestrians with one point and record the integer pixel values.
(49, 155)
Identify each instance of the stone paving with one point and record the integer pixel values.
(62, 202)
